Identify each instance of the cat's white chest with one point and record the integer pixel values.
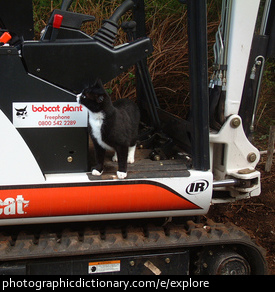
(96, 121)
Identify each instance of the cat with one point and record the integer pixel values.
(21, 113)
(114, 126)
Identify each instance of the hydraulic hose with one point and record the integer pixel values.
(122, 9)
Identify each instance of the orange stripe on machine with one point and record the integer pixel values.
(83, 200)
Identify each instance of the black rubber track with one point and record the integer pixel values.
(96, 239)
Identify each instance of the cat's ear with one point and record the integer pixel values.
(98, 83)
(100, 98)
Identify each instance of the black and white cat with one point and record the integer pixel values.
(114, 126)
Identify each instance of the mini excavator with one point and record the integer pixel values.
(56, 217)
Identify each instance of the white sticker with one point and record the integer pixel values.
(49, 115)
(104, 267)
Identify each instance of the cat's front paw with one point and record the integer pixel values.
(131, 154)
(96, 172)
(121, 175)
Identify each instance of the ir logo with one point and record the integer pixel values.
(197, 187)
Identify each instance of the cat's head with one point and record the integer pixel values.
(22, 113)
(93, 97)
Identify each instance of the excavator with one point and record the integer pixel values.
(56, 217)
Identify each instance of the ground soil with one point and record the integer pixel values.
(256, 216)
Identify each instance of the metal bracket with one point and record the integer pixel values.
(235, 158)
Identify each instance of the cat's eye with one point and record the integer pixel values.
(83, 96)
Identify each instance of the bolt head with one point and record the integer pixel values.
(235, 123)
(157, 157)
(69, 159)
(251, 157)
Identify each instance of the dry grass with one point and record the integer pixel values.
(265, 116)
(168, 65)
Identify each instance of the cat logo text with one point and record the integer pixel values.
(11, 206)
